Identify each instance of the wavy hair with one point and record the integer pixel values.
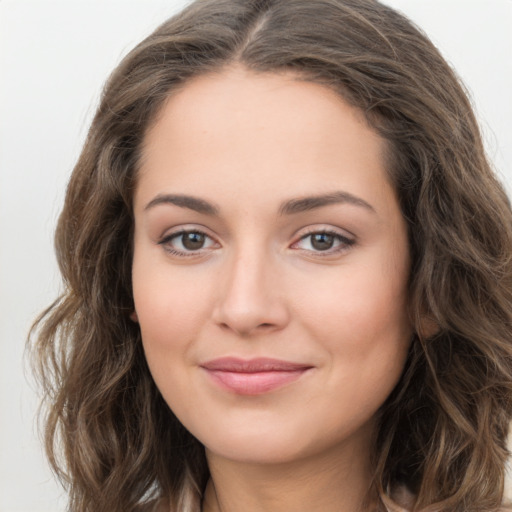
(110, 436)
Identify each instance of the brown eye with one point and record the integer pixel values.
(193, 240)
(322, 241)
(188, 243)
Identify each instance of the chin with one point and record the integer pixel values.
(258, 451)
(273, 444)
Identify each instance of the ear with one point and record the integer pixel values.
(427, 327)
(134, 317)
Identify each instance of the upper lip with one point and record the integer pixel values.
(261, 364)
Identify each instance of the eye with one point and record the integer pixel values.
(187, 242)
(328, 242)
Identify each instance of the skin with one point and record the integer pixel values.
(247, 143)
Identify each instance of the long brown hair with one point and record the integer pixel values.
(442, 433)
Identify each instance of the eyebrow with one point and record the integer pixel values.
(184, 201)
(290, 207)
(305, 204)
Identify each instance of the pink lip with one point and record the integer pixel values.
(254, 376)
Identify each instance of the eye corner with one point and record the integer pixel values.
(188, 242)
(324, 241)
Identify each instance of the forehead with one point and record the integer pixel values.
(266, 133)
(232, 96)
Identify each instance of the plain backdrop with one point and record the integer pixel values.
(54, 57)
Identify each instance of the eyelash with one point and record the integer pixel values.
(166, 243)
(344, 242)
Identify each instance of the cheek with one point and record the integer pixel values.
(170, 304)
(363, 325)
(360, 317)
(360, 306)
(169, 318)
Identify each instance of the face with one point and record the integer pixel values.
(270, 267)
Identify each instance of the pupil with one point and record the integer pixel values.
(192, 241)
(322, 241)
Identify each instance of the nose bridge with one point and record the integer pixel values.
(250, 298)
(247, 278)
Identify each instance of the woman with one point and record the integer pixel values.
(288, 275)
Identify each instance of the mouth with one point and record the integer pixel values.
(253, 376)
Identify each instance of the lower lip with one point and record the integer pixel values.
(255, 383)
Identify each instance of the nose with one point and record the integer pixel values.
(251, 302)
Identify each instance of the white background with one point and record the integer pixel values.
(54, 57)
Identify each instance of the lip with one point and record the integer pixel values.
(253, 376)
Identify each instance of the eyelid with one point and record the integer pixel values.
(178, 228)
(325, 228)
(347, 239)
(171, 231)
(183, 229)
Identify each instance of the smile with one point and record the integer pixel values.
(255, 376)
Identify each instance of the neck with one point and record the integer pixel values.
(333, 482)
